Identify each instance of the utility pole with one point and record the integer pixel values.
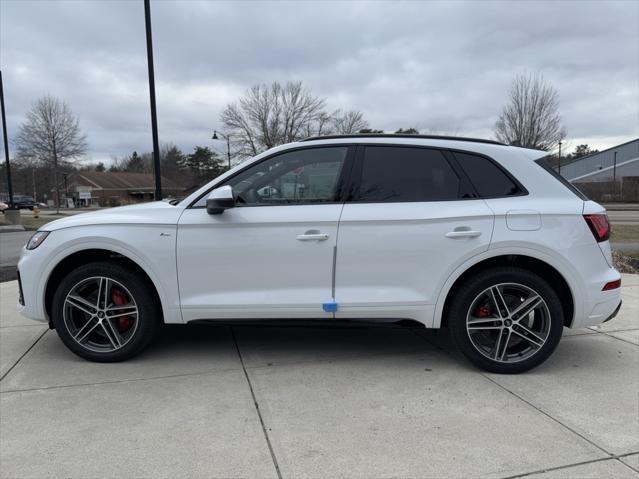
(154, 115)
(6, 143)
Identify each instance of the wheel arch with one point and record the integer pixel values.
(532, 263)
(88, 255)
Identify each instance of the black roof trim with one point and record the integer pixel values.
(400, 135)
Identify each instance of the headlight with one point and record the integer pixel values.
(37, 239)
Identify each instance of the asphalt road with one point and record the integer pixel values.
(10, 246)
(624, 217)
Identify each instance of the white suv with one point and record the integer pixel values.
(470, 234)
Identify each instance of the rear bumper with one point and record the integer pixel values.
(614, 313)
(601, 308)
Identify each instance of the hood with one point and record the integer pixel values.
(157, 212)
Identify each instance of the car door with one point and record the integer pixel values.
(411, 218)
(270, 256)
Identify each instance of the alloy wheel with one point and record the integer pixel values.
(508, 322)
(100, 314)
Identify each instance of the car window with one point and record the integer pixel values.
(296, 177)
(394, 174)
(489, 180)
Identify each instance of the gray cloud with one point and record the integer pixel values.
(444, 66)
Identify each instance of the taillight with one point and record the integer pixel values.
(599, 225)
(612, 285)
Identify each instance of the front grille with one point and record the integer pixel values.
(20, 295)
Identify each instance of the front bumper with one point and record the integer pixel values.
(30, 303)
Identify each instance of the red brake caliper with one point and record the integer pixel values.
(482, 312)
(120, 299)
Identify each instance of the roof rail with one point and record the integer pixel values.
(401, 135)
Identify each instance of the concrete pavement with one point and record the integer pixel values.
(363, 401)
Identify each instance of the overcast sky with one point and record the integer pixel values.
(442, 66)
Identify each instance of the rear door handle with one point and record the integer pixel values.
(463, 234)
(312, 235)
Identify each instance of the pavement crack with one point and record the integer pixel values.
(257, 407)
(536, 408)
(120, 381)
(608, 333)
(558, 468)
(541, 411)
(24, 354)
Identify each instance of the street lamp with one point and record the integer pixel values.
(228, 144)
(559, 157)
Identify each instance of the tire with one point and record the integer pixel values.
(506, 340)
(114, 328)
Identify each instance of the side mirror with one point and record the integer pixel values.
(219, 200)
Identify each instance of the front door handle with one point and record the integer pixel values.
(312, 235)
(463, 234)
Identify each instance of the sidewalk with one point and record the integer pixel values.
(362, 402)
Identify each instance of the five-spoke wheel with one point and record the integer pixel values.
(105, 311)
(100, 314)
(506, 320)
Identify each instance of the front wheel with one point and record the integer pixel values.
(105, 312)
(506, 320)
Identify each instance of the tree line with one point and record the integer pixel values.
(50, 143)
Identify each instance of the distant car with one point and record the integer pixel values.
(24, 202)
(480, 237)
(3, 206)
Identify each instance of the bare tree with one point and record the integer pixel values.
(531, 118)
(51, 136)
(271, 115)
(349, 122)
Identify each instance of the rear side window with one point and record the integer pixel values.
(545, 164)
(396, 174)
(489, 180)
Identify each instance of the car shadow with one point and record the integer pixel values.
(283, 342)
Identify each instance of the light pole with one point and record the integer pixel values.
(6, 144)
(614, 175)
(559, 157)
(228, 144)
(154, 115)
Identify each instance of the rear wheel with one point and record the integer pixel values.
(506, 320)
(105, 312)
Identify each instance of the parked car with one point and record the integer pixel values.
(24, 202)
(3, 206)
(481, 238)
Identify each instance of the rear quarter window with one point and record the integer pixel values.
(489, 179)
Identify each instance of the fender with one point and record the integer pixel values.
(512, 248)
(169, 299)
